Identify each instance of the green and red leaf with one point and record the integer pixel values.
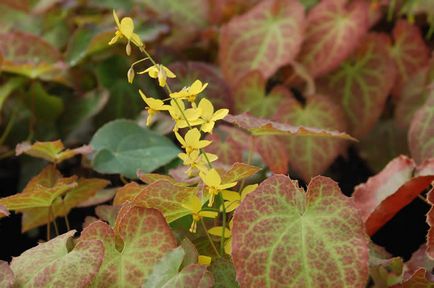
(265, 38)
(420, 279)
(239, 171)
(334, 30)
(279, 231)
(127, 193)
(362, 83)
(145, 239)
(7, 277)
(273, 152)
(227, 149)
(53, 264)
(386, 193)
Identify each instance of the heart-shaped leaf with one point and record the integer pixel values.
(265, 38)
(421, 133)
(224, 273)
(362, 83)
(278, 230)
(225, 147)
(123, 147)
(7, 277)
(334, 30)
(127, 193)
(145, 239)
(384, 194)
(311, 156)
(273, 152)
(409, 51)
(53, 264)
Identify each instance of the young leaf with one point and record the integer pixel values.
(409, 51)
(265, 38)
(311, 156)
(224, 273)
(53, 264)
(194, 275)
(166, 197)
(334, 30)
(146, 239)
(225, 147)
(259, 126)
(384, 194)
(123, 147)
(362, 83)
(421, 132)
(127, 193)
(297, 225)
(7, 277)
(53, 151)
(239, 171)
(273, 152)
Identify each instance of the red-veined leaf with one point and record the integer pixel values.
(239, 171)
(166, 197)
(150, 178)
(273, 152)
(259, 126)
(107, 213)
(311, 156)
(225, 147)
(421, 132)
(409, 51)
(127, 193)
(420, 279)
(265, 38)
(384, 194)
(279, 230)
(7, 277)
(101, 196)
(52, 151)
(224, 273)
(419, 259)
(223, 10)
(362, 83)
(145, 239)
(333, 31)
(53, 264)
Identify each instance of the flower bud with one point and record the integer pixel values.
(128, 48)
(130, 75)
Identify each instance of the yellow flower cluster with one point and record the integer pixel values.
(194, 117)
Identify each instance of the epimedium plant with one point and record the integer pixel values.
(215, 221)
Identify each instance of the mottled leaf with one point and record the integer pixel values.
(150, 178)
(166, 269)
(224, 273)
(334, 30)
(311, 156)
(419, 259)
(194, 276)
(239, 171)
(127, 193)
(386, 193)
(259, 126)
(279, 231)
(100, 197)
(265, 38)
(225, 147)
(145, 239)
(166, 197)
(421, 133)
(409, 51)
(362, 83)
(7, 277)
(273, 152)
(107, 213)
(53, 151)
(420, 279)
(123, 147)
(53, 264)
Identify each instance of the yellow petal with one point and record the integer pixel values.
(127, 27)
(204, 260)
(220, 114)
(169, 73)
(180, 139)
(208, 214)
(114, 39)
(192, 137)
(217, 231)
(248, 189)
(207, 108)
(212, 178)
(136, 40)
(116, 18)
(228, 246)
(231, 195)
(193, 204)
(226, 186)
(208, 127)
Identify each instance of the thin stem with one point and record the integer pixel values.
(8, 128)
(222, 238)
(54, 221)
(68, 227)
(125, 181)
(209, 237)
(49, 226)
(391, 10)
(139, 61)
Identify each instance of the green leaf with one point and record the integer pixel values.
(45, 106)
(298, 226)
(7, 88)
(421, 133)
(138, 241)
(166, 269)
(265, 38)
(224, 273)
(53, 263)
(123, 147)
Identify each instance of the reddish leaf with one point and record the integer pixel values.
(127, 192)
(419, 259)
(273, 152)
(7, 277)
(311, 156)
(430, 221)
(384, 194)
(409, 51)
(265, 38)
(30, 56)
(223, 10)
(225, 147)
(150, 178)
(53, 151)
(166, 197)
(420, 279)
(107, 213)
(239, 171)
(102, 196)
(279, 230)
(146, 239)
(259, 126)
(362, 83)
(333, 32)
(421, 133)
(386, 272)
(52, 264)
(217, 90)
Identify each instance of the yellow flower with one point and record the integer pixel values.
(218, 231)
(196, 160)
(234, 199)
(125, 28)
(154, 105)
(192, 141)
(214, 184)
(190, 92)
(195, 206)
(208, 115)
(204, 260)
(178, 112)
(159, 71)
